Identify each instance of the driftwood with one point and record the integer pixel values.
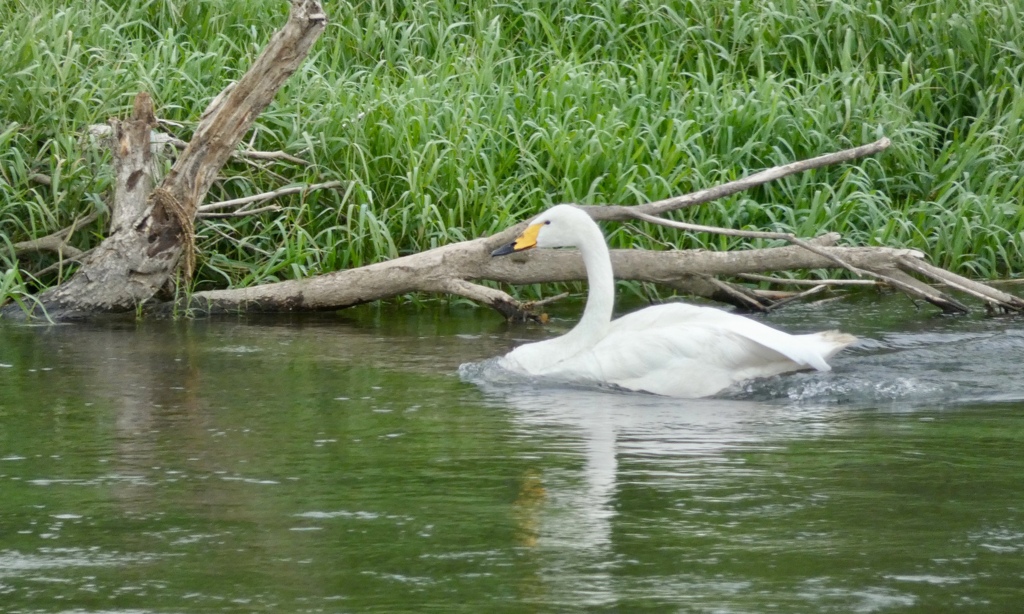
(452, 269)
(152, 230)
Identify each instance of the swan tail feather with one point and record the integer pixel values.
(819, 347)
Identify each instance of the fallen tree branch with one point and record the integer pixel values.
(203, 210)
(807, 282)
(736, 295)
(994, 299)
(500, 301)
(796, 297)
(57, 241)
(621, 213)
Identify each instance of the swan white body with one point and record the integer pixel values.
(673, 349)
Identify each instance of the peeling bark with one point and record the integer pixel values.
(151, 227)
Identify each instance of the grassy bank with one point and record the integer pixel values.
(450, 122)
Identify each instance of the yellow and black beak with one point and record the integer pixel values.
(523, 242)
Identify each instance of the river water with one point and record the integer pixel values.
(339, 463)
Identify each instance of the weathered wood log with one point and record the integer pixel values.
(452, 268)
(151, 228)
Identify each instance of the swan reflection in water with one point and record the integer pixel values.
(566, 512)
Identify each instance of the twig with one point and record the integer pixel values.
(546, 301)
(743, 297)
(56, 242)
(271, 155)
(264, 167)
(807, 282)
(49, 243)
(241, 242)
(238, 202)
(796, 297)
(163, 138)
(239, 213)
(914, 287)
(63, 262)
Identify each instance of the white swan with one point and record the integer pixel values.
(672, 349)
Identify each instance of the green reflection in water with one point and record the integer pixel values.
(911, 512)
(337, 464)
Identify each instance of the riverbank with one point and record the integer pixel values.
(446, 123)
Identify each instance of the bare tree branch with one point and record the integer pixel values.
(796, 297)
(240, 213)
(57, 241)
(807, 282)
(621, 213)
(995, 299)
(255, 198)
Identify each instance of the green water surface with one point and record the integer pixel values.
(338, 463)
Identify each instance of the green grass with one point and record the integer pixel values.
(450, 120)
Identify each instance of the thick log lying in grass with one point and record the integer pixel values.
(452, 269)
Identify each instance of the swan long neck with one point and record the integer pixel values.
(601, 281)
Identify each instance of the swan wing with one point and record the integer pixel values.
(690, 351)
(806, 350)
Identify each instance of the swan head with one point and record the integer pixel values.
(559, 226)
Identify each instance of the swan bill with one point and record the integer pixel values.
(523, 242)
